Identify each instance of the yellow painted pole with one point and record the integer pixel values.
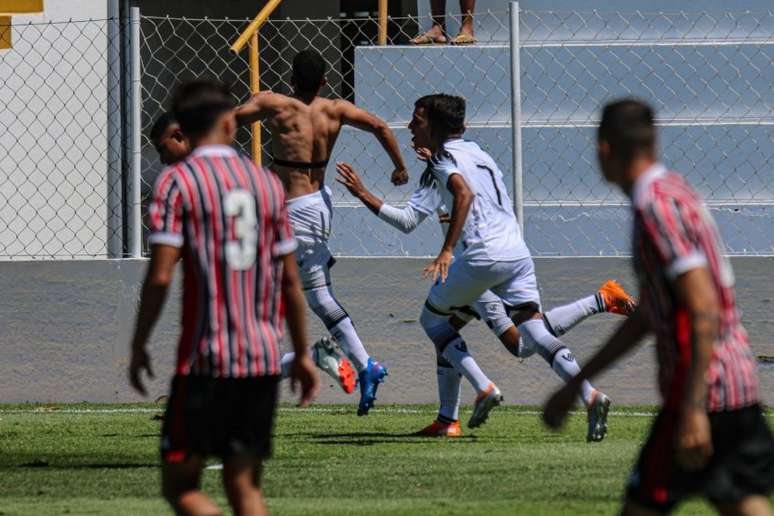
(255, 87)
(5, 33)
(251, 29)
(382, 22)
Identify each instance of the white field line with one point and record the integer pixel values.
(321, 410)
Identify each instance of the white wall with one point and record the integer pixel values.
(53, 133)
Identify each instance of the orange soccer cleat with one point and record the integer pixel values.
(617, 301)
(439, 429)
(327, 357)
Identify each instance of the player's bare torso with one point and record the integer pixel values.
(302, 132)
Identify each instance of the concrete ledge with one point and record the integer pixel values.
(66, 328)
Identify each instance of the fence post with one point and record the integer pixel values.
(134, 213)
(114, 237)
(255, 86)
(382, 22)
(518, 185)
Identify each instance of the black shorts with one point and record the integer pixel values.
(219, 416)
(742, 463)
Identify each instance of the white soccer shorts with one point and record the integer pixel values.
(485, 286)
(310, 218)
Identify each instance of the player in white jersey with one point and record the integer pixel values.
(483, 250)
(425, 201)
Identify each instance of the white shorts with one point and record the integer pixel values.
(485, 287)
(310, 218)
(491, 310)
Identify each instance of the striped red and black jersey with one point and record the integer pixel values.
(230, 220)
(673, 232)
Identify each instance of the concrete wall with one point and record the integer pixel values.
(66, 330)
(53, 133)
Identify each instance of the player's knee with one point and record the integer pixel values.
(536, 338)
(438, 328)
(511, 340)
(322, 302)
(523, 312)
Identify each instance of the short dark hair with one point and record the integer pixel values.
(309, 69)
(627, 125)
(444, 112)
(197, 105)
(160, 125)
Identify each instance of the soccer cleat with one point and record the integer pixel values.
(485, 402)
(597, 417)
(327, 357)
(439, 429)
(617, 301)
(370, 378)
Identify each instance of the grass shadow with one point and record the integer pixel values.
(371, 438)
(115, 465)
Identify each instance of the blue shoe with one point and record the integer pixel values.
(370, 378)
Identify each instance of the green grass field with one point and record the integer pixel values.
(84, 459)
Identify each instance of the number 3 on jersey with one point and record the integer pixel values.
(240, 254)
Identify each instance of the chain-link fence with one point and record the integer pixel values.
(60, 144)
(709, 77)
(385, 80)
(707, 74)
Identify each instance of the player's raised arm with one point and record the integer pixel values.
(365, 121)
(404, 219)
(260, 106)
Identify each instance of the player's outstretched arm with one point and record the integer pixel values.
(152, 298)
(351, 180)
(628, 335)
(404, 219)
(368, 122)
(260, 106)
(303, 370)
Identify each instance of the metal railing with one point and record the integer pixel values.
(250, 35)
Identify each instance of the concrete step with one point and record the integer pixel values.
(728, 164)
(549, 231)
(568, 84)
(569, 210)
(490, 22)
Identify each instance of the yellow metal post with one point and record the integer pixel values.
(255, 87)
(5, 33)
(14, 7)
(251, 29)
(382, 22)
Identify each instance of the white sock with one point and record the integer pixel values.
(553, 351)
(346, 336)
(456, 353)
(567, 367)
(564, 318)
(285, 362)
(449, 384)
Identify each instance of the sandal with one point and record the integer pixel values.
(463, 39)
(426, 39)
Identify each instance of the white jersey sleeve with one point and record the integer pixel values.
(443, 165)
(426, 199)
(423, 202)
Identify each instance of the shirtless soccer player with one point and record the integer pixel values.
(173, 147)
(611, 297)
(483, 250)
(304, 128)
